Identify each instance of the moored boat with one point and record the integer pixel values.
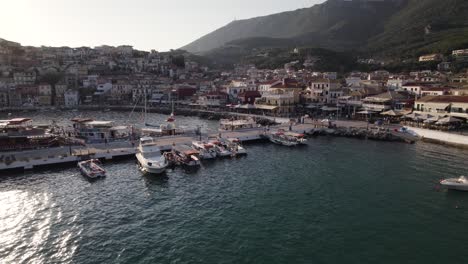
(186, 156)
(300, 138)
(221, 149)
(236, 147)
(460, 184)
(206, 150)
(149, 157)
(280, 138)
(92, 169)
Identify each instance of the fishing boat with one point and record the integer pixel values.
(280, 138)
(460, 184)
(221, 148)
(149, 157)
(186, 156)
(206, 150)
(92, 169)
(236, 147)
(300, 138)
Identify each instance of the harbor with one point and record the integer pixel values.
(323, 187)
(125, 146)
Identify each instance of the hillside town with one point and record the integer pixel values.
(68, 78)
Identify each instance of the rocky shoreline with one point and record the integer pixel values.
(361, 133)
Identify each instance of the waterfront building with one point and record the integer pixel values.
(324, 91)
(446, 104)
(387, 101)
(214, 99)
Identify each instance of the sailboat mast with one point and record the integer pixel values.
(144, 94)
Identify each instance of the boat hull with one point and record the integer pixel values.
(283, 143)
(142, 164)
(89, 173)
(455, 186)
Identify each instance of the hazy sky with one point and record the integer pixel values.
(145, 24)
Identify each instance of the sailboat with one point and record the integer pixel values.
(169, 128)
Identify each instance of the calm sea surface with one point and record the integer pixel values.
(336, 200)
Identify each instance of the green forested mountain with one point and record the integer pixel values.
(377, 27)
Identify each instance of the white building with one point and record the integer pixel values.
(265, 86)
(324, 91)
(72, 98)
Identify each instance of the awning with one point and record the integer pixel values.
(449, 120)
(246, 106)
(312, 106)
(329, 109)
(392, 113)
(266, 107)
(366, 112)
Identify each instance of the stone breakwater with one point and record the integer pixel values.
(363, 133)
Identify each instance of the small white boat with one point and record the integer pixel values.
(91, 169)
(236, 147)
(281, 139)
(460, 184)
(149, 156)
(301, 140)
(206, 150)
(221, 150)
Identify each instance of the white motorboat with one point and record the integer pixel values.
(301, 140)
(221, 149)
(91, 169)
(281, 139)
(206, 150)
(149, 156)
(460, 184)
(236, 147)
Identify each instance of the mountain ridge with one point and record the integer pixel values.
(326, 19)
(383, 27)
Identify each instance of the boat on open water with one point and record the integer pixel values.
(459, 184)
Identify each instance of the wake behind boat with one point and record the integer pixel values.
(459, 184)
(149, 156)
(91, 169)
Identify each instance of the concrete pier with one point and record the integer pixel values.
(45, 157)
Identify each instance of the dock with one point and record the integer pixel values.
(30, 159)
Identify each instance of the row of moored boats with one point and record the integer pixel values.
(152, 160)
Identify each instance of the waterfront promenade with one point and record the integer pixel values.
(30, 159)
